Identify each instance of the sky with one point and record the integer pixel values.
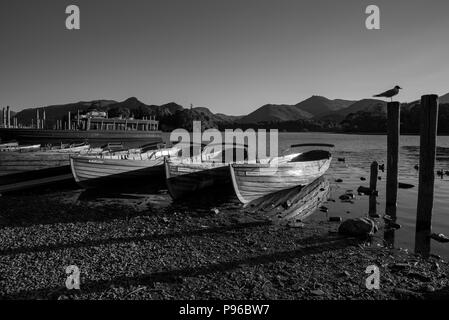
(231, 56)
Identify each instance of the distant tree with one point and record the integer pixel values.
(118, 112)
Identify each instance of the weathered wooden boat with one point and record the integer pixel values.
(134, 166)
(20, 148)
(292, 205)
(208, 169)
(19, 170)
(255, 180)
(8, 144)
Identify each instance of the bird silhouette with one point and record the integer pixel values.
(389, 93)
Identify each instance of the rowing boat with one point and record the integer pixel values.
(20, 170)
(186, 176)
(252, 181)
(133, 166)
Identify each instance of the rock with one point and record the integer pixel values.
(362, 178)
(400, 266)
(347, 196)
(335, 219)
(379, 178)
(439, 237)
(393, 225)
(382, 167)
(338, 180)
(287, 204)
(324, 209)
(345, 274)
(419, 276)
(295, 224)
(405, 293)
(428, 288)
(364, 190)
(405, 185)
(215, 210)
(416, 167)
(341, 159)
(317, 292)
(359, 227)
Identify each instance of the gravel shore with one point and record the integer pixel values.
(139, 246)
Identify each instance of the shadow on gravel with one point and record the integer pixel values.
(118, 240)
(176, 276)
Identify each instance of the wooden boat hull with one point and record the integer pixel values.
(295, 204)
(95, 171)
(34, 178)
(253, 180)
(95, 138)
(16, 162)
(184, 179)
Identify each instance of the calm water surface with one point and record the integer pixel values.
(359, 152)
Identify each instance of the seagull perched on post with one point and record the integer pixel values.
(389, 93)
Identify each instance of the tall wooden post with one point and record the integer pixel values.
(373, 188)
(427, 145)
(393, 111)
(69, 121)
(8, 117)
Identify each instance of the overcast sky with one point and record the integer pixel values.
(231, 56)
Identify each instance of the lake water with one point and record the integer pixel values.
(359, 152)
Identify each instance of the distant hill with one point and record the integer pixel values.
(307, 109)
(274, 112)
(56, 112)
(318, 105)
(170, 115)
(369, 105)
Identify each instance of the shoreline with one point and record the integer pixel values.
(131, 246)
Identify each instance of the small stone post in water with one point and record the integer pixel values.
(427, 145)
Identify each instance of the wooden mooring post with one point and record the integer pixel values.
(427, 154)
(393, 132)
(373, 187)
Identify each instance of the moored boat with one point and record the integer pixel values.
(255, 180)
(208, 169)
(20, 148)
(20, 170)
(133, 166)
(292, 205)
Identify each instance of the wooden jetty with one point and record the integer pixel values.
(94, 128)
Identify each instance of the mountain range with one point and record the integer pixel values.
(172, 115)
